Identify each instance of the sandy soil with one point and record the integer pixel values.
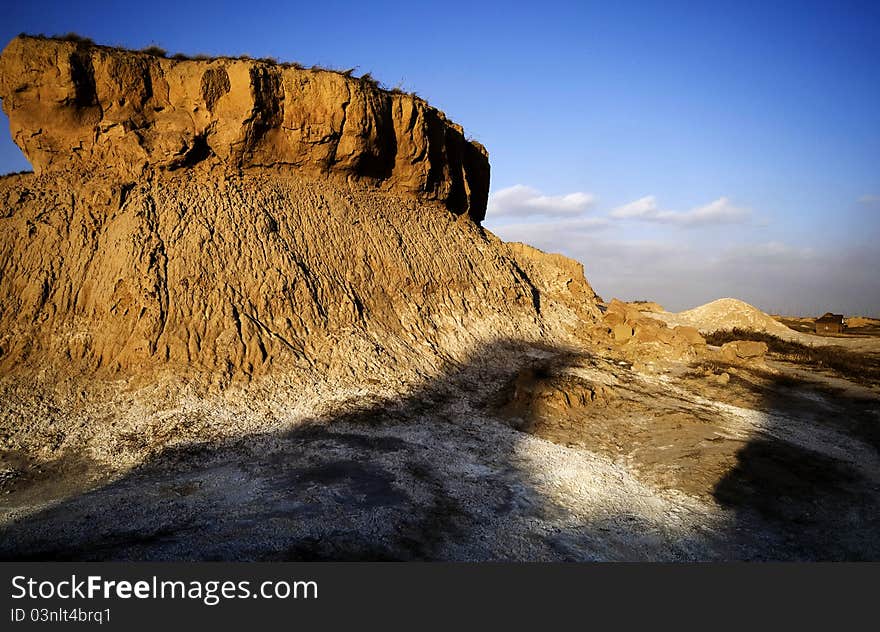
(522, 453)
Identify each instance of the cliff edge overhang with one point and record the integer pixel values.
(76, 106)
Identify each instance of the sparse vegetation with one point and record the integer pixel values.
(75, 37)
(700, 368)
(710, 364)
(368, 79)
(155, 51)
(860, 367)
(774, 343)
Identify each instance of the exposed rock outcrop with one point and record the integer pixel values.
(647, 306)
(561, 290)
(540, 394)
(87, 107)
(743, 351)
(642, 338)
(234, 216)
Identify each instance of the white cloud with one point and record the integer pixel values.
(645, 209)
(870, 199)
(680, 271)
(721, 211)
(522, 201)
(549, 235)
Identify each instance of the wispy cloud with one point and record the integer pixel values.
(646, 209)
(644, 262)
(643, 208)
(523, 201)
(768, 252)
(551, 235)
(775, 276)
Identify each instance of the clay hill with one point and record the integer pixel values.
(248, 312)
(235, 215)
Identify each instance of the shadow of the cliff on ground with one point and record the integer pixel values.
(423, 477)
(805, 485)
(435, 476)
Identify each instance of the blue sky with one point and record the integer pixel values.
(682, 151)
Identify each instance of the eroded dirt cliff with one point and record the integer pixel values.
(229, 217)
(72, 104)
(239, 274)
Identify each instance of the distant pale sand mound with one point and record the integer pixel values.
(727, 313)
(731, 313)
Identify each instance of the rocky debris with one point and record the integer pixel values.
(647, 306)
(729, 313)
(75, 105)
(538, 394)
(740, 351)
(642, 338)
(617, 312)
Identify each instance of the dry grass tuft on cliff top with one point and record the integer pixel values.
(158, 51)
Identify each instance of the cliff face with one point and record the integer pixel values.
(236, 217)
(256, 273)
(79, 106)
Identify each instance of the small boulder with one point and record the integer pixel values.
(690, 334)
(722, 379)
(613, 318)
(622, 332)
(628, 312)
(743, 351)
